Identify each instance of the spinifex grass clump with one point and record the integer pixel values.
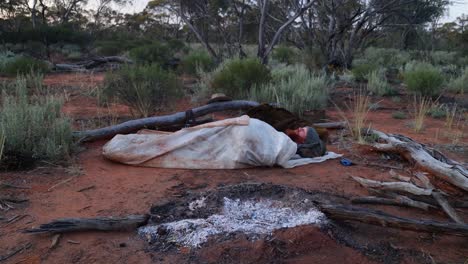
(32, 129)
(377, 83)
(359, 110)
(297, 91)
(145, 88)
(421, 106)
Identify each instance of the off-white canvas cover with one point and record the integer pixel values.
(228, 144)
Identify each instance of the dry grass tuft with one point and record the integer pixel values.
(421, 107)
(359, 109)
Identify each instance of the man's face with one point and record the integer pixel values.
(298, 135)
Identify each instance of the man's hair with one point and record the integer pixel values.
(313, 146)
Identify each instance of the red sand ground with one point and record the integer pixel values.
(121, 190)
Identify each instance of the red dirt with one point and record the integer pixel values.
(120, 190)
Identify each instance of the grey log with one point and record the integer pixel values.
(88, 224)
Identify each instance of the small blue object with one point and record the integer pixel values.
(346, 162)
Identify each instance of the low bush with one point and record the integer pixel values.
(298, 92)
(32, 129)
(284, 54)
(313, 58)
(377, 83)
(23, 65)
(386, 57)
(236, 77)
(399, 115)
(437, 111)
(459, 84)
(145, 88)
(197, 60)
(151, 53)
(361, 71)
(423, 79)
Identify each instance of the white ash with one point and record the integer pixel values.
(250, 217)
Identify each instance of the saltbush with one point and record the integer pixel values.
(32, 129)
(459, 84)
(145, 88)
(197, 60)
(24, 65)
(361, 71)
(236, 77)
(377, 83)
(424, 79)
(151, 53)
(386, 57)
(284, 54)
(298, 92)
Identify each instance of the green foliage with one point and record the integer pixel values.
(23, 65)
(176, 45)
(460, 83)
(297, 92)
(437, 111)
(377, 83)
(236, 77)
(386, 57)
(32, 129)
(144, 88)
(361, 71)
(197, 60)
(443, 57)
(284, 54)
(424, 79)
(313, 58)
(399, 115)
(151, 53)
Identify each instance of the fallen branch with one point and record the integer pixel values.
(84, 66)
(160, 121)
(440, 199)
(15, 251)
(375, 217)
(88, 224)
(427, 158)
(399, 200)
(393, 186)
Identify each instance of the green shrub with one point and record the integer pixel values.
(298, 92)
(144, 88)
(443, 57)
(151, 53)
(176, 45)
(313, 58)
(32, 129)
(386, 57)
(197, 60)
(109, 49)
(437, 112)
(377, 83)
(424, 79)
(284, 54)
(24, 65)
(237, 76)
(361, 71)
(399, 115)
(460, 83)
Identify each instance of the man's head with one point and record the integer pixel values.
(308, 142)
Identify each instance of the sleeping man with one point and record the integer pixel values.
(234, 143)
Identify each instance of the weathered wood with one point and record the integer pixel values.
(427, 158)
(375, 217)
(89, 224)
(440, 199)
(84, 66)
(393, 186)
(160, 121)
(397, 201)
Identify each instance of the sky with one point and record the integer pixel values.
(455, 10)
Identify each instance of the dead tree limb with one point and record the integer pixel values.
(160, 121)
(375, 217)
(427, 158)
(84, 66)
(89, 224)
(393, 186)
(440, 199)
(399, 200)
